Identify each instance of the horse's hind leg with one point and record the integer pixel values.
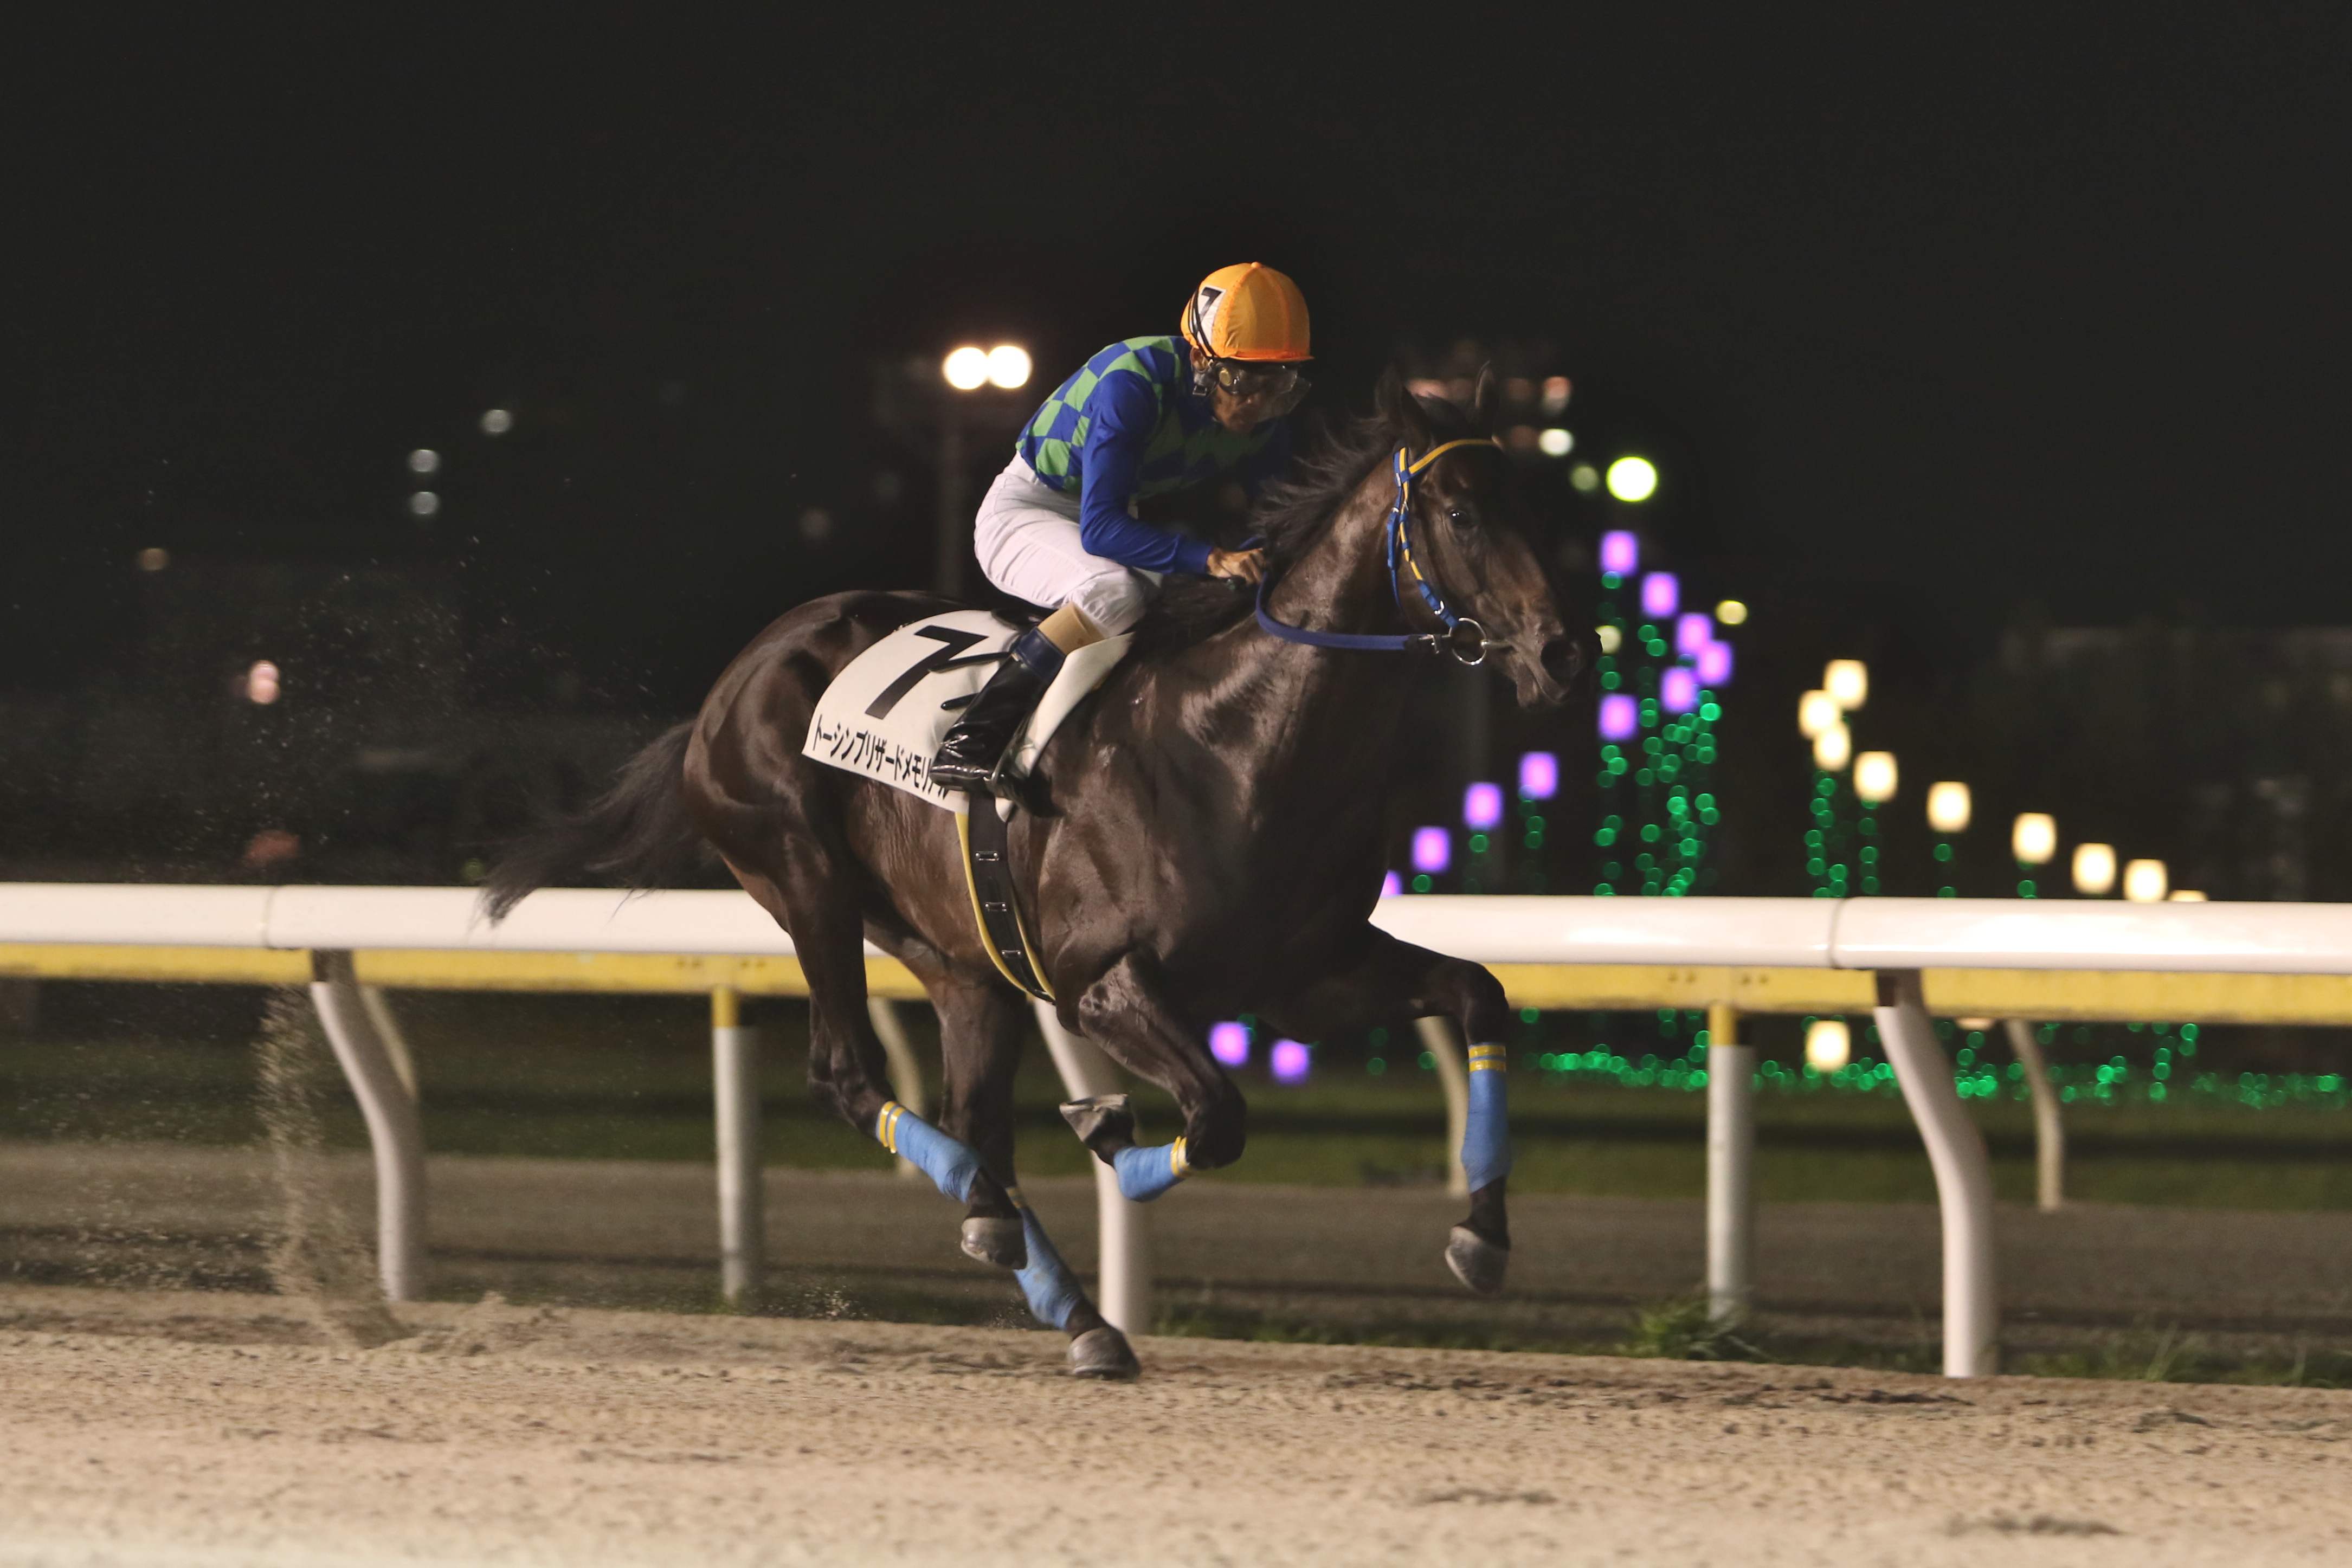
(813, 899)
(979, 1049)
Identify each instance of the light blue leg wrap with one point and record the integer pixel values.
(951, 1165)
(1486, 1138)
(1053, 1291)
(1145, 1174)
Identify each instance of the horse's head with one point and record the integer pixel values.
(1471, 527)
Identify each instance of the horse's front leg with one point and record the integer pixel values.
(1393, 980)
(1128, 1012)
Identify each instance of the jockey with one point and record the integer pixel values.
(1141, 418)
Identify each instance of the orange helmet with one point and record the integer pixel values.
(1248, 312)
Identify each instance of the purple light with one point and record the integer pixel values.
(1392, 886)
(1289, 1061)
(1621, 552)
(1482, 807)
(1678, 689)
(1715, 664)
(1660, 594)
(1229, 1043)
(1433, 850)
(1692, 632)
(1539, 776)
(1620, 716)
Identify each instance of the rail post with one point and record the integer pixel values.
(395, 1136)
(1731, 1167)
(1442, 1038)
(1123, 1236)
(2048, 1129)
(906, 1073)
(1956, 1150)
(735, 1103)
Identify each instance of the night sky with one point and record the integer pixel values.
(1929, 322)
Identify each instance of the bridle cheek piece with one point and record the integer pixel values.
(1462, 637)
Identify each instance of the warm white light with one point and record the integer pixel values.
(1610, 638)
(261, 683)
(1833, 749)
(1847, 681)
(2144, 882)
(1827, 1045)
(155, 558)
(424, 503)
(1008, 366)
(1632, 478)
(966, 368)
(2035, 839)
(424, 460)
(1817, 711)
(2184, 896)
(1555, 393)
(2095, 870)
(1947, 808)
(1731, 612)
(1874, 778)
(496, 421)
(1556, 442)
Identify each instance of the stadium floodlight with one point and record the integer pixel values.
(2035, 839)
(1632, 478)
(261, 683)
(2095, 870)
(1817, 712)
(1848, 682)
(1827, 1045)
(1947, 807)
(1008, 366)
(2145, 881)
(1874, 778)
(966, 369)
(1555, 443)
(1833, 749)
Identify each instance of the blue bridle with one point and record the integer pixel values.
(1400, 554)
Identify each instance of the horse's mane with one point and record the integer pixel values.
(1289, 517)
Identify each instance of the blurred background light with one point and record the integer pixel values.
(261, 684)
(1874, 778)
(1827, 1045)
(1482, 807)
(1694, 629)
(1556, 442)
(2184, 896)
(1833, 749)
(424, 503)
(1008, 366)
(496, 421)
(1632, 479)
(1713, 665)
(424, 460)
(1433, 850)
(1661, 595)
(1947, 807)
(1848, 682)
(1391, 886)
(2035, 839)
(155, 558)
(1289, 1061)
(1555, 393)
(1817, 711)
(1678, 689)
(1620, 716)
(2095, 870)
(2145, 881)
(1584, 476)
(1230, 1043)
(1731, 612)
(966, 368)
(1621, 552)
(1539, 776)
(1611, 639)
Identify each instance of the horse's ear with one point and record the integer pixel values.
(1483, 401)
(1400, 411)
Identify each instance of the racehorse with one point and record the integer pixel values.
(1208, 835)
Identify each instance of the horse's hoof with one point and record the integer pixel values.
(1103, 1352)
(1475, 1262)
(997, 1241)
(1104, 1123)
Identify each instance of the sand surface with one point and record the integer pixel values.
(205, 1429)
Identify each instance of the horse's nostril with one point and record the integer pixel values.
(1562, 658)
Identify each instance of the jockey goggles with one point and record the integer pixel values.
(1275, 388)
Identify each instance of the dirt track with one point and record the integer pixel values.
(173, 1428)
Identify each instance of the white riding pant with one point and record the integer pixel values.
(1026, 537)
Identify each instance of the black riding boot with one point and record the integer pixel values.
(971, 752)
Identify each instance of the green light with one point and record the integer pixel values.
(1421, 884)
(1376, 1067)
(1478, 843)
(1609, 680)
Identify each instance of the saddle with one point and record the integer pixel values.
(883, 716)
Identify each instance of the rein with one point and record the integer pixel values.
(1463, 637)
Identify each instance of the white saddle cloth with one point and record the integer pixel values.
(881, 717)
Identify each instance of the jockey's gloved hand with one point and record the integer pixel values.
(1246, 565)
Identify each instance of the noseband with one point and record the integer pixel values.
(1463, 637)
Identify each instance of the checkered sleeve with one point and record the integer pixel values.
(1123, 412)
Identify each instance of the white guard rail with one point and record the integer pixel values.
(1896, 937)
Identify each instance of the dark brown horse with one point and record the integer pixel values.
(1215, 844)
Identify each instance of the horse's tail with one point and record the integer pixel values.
(638, 833)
